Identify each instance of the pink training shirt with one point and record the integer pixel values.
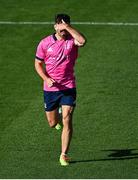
(59, 57)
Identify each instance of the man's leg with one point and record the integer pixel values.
(67, 113)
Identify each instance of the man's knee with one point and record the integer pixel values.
(52, 124)
(67, 114)
(67, 118)
(52, 118)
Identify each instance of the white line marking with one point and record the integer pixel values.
(107, 23)
(77, 23)
(26, 23)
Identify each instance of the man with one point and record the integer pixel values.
(58, 52)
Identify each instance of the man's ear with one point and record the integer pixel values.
(55, 27)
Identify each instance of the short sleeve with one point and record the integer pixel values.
(40, 54)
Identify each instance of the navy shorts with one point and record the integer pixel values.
(54, 99)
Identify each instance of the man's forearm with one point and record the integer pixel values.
(39, 68)
(75, 34)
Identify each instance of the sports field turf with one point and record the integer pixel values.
(105, 141)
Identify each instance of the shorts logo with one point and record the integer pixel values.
(45, 105)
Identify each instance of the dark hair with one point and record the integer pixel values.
(59, 17)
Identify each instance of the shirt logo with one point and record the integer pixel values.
(50, 50)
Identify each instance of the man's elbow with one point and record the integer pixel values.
(82, 42)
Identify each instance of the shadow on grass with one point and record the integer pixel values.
(115, 154)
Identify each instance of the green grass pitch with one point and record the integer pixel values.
(105, 140)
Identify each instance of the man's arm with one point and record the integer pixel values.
(79, 39)
(44, 76)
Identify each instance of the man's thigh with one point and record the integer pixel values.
(67, 113)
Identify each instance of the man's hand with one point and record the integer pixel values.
(50, 82)
(61, 26)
